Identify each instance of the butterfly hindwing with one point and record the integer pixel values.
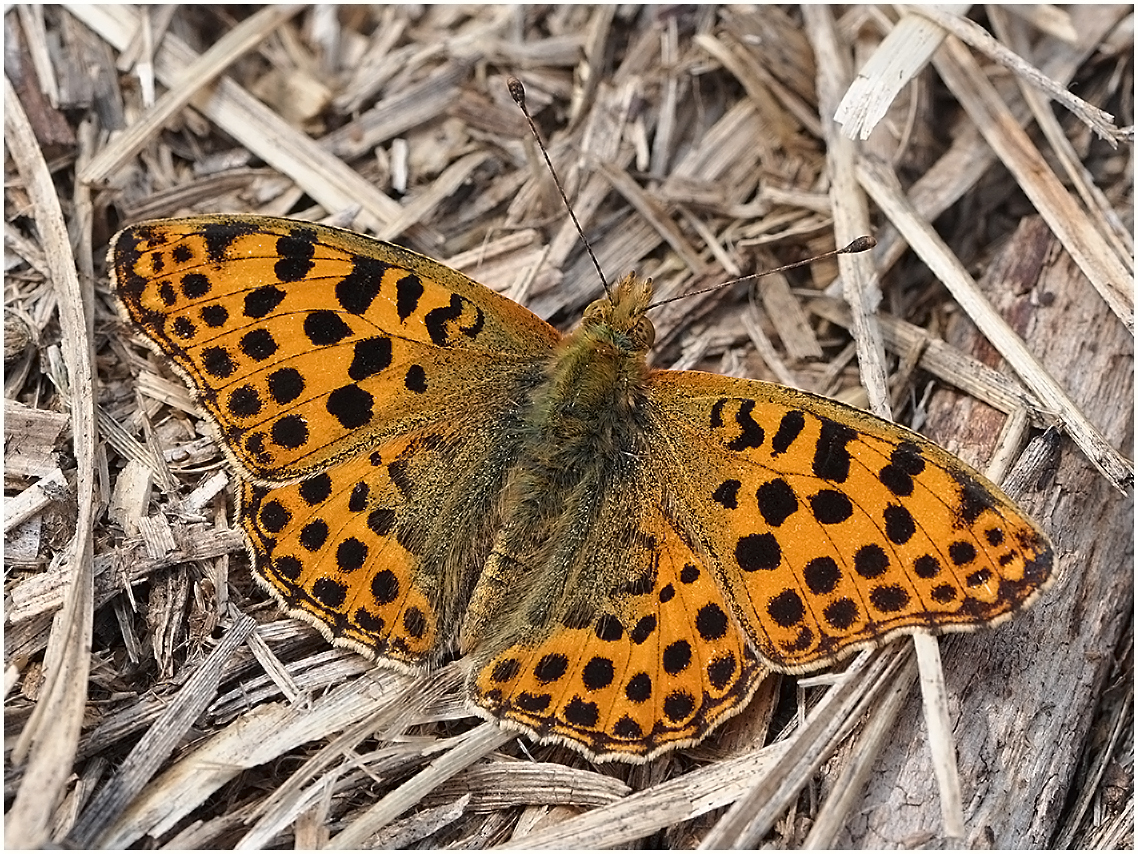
(377, 550)
(307, 343)
(659, 665)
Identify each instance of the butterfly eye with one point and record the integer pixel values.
(644, 333)
(595, 311)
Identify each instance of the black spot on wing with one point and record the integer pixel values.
(285, 385)
(789, 427)
(295, 251)
(195, 286)
(258, 344)
(750, 432)
(973, 498)
(717, 413)
(214, 316)
(727, 494)
(357, 290)
(262, 301)
(350, 405)
(408, 292)
(776, 501)
(219, 236)
(831, 457)
(324, 328)
(439, 321)
(369, 357)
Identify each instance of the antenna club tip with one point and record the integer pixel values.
(859, 244)
(517, 91)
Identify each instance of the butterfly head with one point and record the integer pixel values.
(620, 318)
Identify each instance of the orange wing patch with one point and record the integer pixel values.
(302, 347)
(664, 663)
(830, 537)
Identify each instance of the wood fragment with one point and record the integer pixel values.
(46, 745)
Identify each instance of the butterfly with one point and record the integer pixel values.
(620, 553)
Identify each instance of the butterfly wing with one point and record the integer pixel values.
(306, 343)
(833, 530)
(380, 551)
(636, 653)
(367, 394)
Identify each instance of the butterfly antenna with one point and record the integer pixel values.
(518, 93)
(859, 244)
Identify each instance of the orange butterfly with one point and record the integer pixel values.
(623, 553)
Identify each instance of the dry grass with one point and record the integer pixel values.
(154, 696)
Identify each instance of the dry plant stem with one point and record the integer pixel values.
(119, 438)
(1066, 836)
(863, 296)
(851, 214)
(326, 178)
(257, 737)
(412, 106)
(33, 499)
(977, 37)
(1003, 683)
(471, 747)
(47, 592)
(46, 745)
(766, 350)
(883, 186)
(276, 670)
(31, 19)
(941, 743)
(442, 189)
(589, 71)
(504, 783)
(1097, 205)
(834, 813)
(152, 30)
(391, 719)
(201, 73)
(659, 806)
(752, 816)
(1091, 252)
(946, 363)
(652, 212)
(160, 740)
(896, 61)
(969, 155)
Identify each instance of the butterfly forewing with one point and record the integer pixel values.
(307, 343)
(835, 530)
(387, 382)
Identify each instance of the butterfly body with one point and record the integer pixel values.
(582, 429)
(621, 553)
